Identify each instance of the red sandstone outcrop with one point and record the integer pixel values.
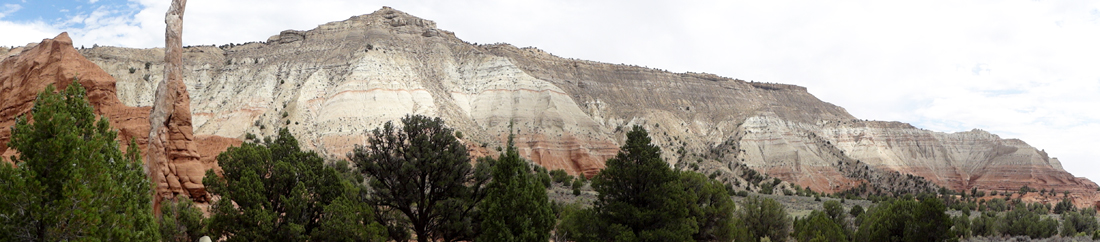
(56, 62)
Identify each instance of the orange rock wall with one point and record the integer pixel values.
(56, 62)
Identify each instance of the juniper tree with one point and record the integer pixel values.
(423, 172)
(275, 191)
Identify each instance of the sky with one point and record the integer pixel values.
(1023, 69)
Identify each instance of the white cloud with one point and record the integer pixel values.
(9, 8)
(20, 34)
(92, 1)
(1021, 69)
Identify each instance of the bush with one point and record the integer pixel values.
(1064, 206)
(764, 217)
(835, 211)
(577, 185)
(907, 220)
(961, 226)
(984, 225)
(856, 210)
(181, 221)
(1022, 222)
(818, 226)
(997, 205)
(560, 176)
(1075, 222)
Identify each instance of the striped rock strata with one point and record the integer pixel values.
(332, 84)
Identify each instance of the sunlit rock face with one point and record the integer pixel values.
(55, 62)
(332, 85)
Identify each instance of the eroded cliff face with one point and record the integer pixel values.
(331, 85)
(55, 61)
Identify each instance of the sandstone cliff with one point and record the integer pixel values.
(331, 84)
(56, 62)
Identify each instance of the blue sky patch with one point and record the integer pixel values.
(59, 12)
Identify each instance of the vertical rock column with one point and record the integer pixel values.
(171, 154)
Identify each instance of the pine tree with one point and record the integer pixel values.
(640, 197)
(516, 207)
(72, 182)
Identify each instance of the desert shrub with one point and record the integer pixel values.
(818, 226)
(764, 217)
(560, 176)
(906, 220)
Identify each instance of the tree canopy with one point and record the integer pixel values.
(516, 207)
(424, 173)
(274, 191)
(907, 220)
(71, 181)
(640, 197)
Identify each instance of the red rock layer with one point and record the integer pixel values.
(56, 62)
(572, 154)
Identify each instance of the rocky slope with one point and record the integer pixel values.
(55, 62)
(332, 84)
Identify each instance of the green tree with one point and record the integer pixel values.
(1022, 222)
(961, 226)
(818, 226)
(71, 181)
(423, 172)
(349, 218)
(640, 197)
(984, 225)
(907, 220)
(764, 217)
(856, 211)
(275, 191)
(1065, 205)
(579, 224)
(711, 208)
(577, 185)
(1079, 222)
(181, 221)
(560, 176)
(997, 205)
(516, 207)
(835, 211)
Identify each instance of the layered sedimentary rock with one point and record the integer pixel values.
(56, 62)
(332, 84)
(172, 153)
